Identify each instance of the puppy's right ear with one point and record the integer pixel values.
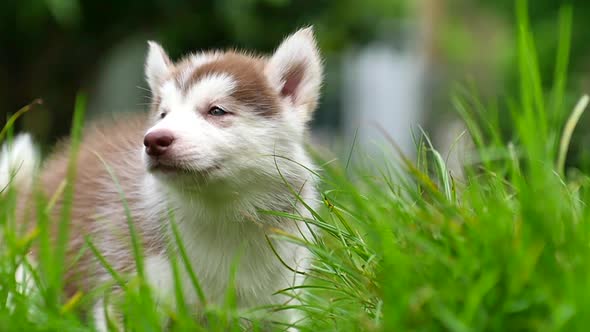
(157, 66)
(295, 69)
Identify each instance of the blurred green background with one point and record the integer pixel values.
(51, 49)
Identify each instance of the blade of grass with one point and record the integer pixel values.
(68, 194)
(186, 261)
(568, 131)
(10, 122)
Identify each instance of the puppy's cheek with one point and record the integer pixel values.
(145, 159)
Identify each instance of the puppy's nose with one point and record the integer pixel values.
(157, 142)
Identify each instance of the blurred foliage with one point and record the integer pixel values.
(52, 48)
(487, 42)
(465, 16)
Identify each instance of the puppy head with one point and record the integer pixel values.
(224, 115)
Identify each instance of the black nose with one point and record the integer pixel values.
(157, 142)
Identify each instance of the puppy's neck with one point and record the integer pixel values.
(221, 203)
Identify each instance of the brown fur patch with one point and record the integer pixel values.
(97, 210)
(253, 89)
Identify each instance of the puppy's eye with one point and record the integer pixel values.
(163, 115)
(217, 111)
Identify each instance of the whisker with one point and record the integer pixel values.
(142, 88)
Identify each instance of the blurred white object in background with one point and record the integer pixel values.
(383, 92)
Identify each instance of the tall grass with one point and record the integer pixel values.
(399, 246)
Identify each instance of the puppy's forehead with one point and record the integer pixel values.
(251, 86)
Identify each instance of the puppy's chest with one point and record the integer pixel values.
(236, 256)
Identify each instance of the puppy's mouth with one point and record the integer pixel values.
(158, 166)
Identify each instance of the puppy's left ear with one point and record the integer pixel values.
(295, 70)
(157, 66)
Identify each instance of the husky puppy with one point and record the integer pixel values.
(222, 143)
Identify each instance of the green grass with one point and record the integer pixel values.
(398, 248)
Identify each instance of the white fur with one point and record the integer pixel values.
(299, 49)
(99, 316)
(18, 162)
(210, 88)
(159, 275)
(25, 285)
(216, 240)
(200, 95)
(197, 60)
(156, 65)
(198, 143)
